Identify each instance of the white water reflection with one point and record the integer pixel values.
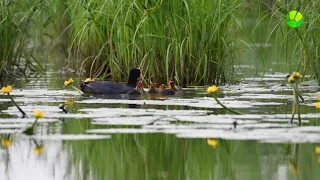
(19, 162)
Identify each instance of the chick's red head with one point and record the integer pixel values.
(171, 84)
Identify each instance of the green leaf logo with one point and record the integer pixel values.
(294, 19)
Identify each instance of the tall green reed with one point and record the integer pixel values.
(188, 41)
(298, 44)
(17, 18)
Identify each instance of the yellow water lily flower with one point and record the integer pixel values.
(38, 114)
(7, 89)
(318, 105)
(38, 149)
(212, 142)
(88, 80)
(6, 142)
(296, 75)
(69, 82)
(317, 150)
(291, 79)
(212, 89)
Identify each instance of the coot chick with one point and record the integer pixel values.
(110, 87)
(172, 86)
(136, 91)
(166, 92)
(152, 89)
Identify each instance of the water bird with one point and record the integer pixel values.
(110, 87)
(172, 86)
(152, 89)
(172, 90)
(136, 91)
(166, 92)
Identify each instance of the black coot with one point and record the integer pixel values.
(111, 88)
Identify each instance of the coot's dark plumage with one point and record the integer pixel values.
(111, 88)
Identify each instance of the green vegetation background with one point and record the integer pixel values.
(193, 42)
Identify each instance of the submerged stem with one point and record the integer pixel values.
(23, 113)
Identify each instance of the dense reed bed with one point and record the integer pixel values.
(19, 21)
(190, 41)
(297, 44)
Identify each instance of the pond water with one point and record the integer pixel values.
(184, 137)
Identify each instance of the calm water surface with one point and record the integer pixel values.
(151, 139)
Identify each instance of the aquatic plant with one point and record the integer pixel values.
(189, 41)
(61, 106)
(297, 44)
(212, 90)
(70, 83)
(7, 90)
(17, 53)
(88, 80)
(293, 80)
(30, 130)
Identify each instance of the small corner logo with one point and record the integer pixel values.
(294, 19)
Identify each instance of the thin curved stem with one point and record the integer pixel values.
(231, 110)
(23, 113)
(76, 89)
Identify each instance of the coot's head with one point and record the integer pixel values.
(134, 74)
